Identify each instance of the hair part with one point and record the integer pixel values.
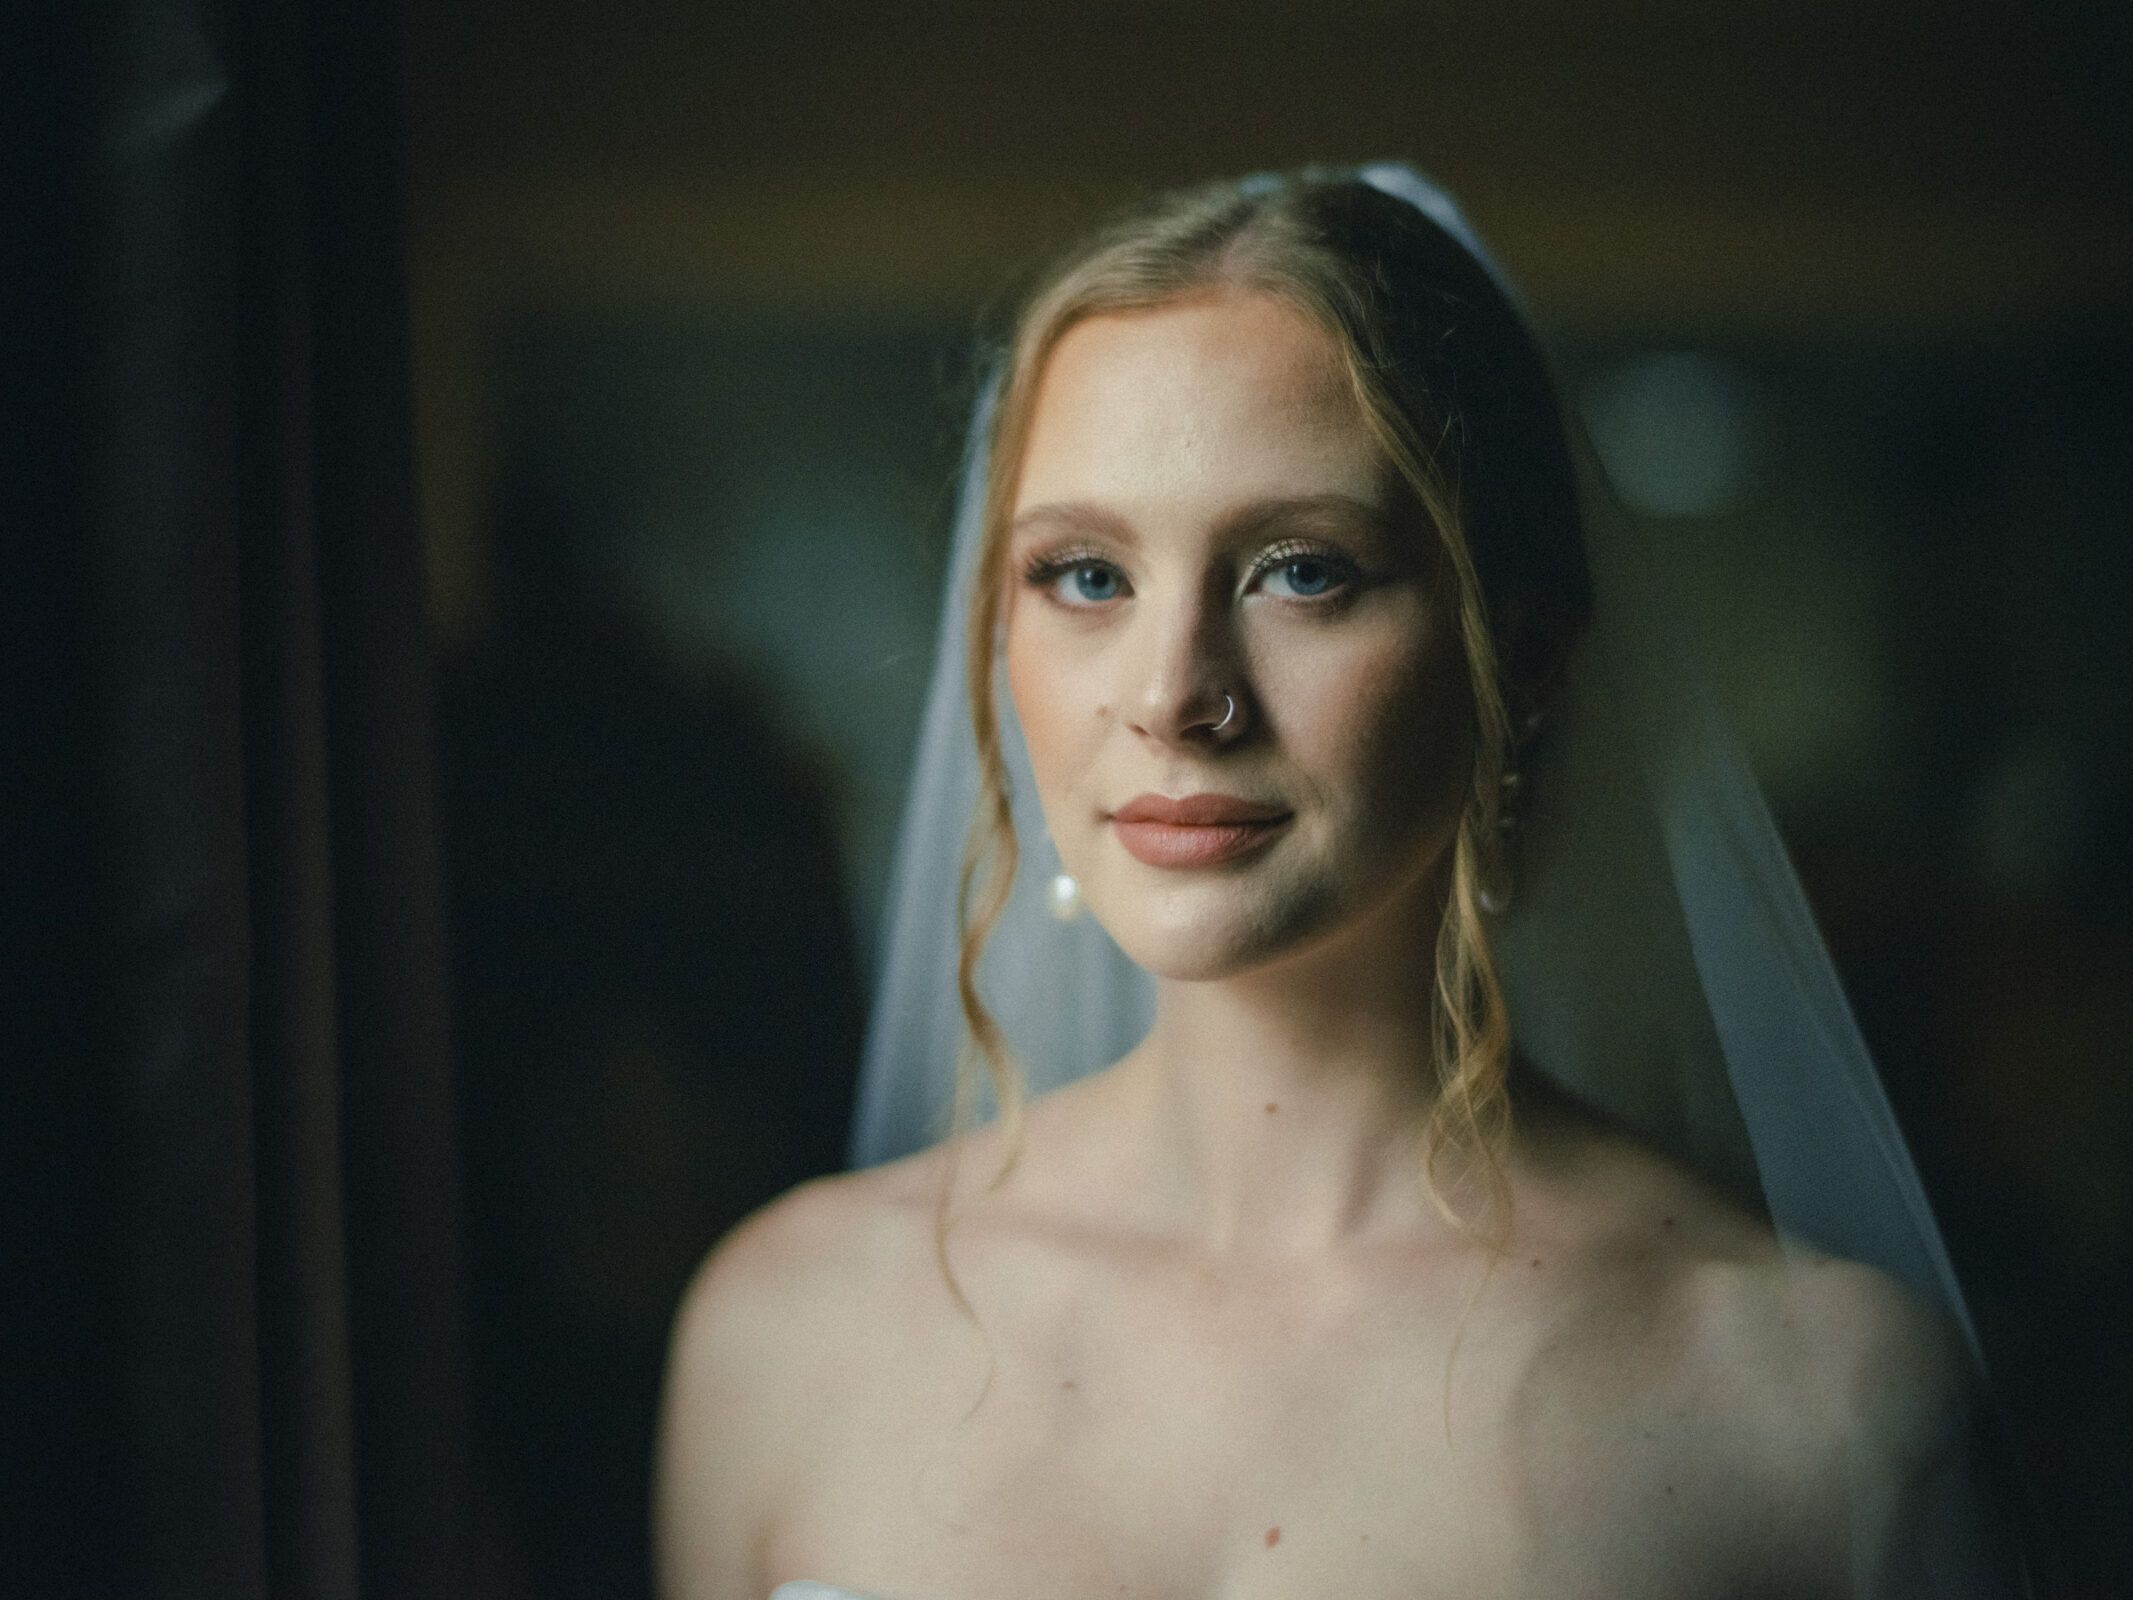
(1461, 404)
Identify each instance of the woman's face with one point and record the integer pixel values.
(1219, 594)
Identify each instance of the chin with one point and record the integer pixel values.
(1220, 927)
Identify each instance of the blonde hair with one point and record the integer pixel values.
(1462, 407)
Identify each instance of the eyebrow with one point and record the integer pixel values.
(1307, 508)
(1080, 516)
(1070, 516)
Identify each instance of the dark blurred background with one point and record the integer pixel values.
(1843, 291)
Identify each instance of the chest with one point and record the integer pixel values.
(1236, 1450)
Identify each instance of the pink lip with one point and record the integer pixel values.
(1201, 830)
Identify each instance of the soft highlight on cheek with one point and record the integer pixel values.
(1052, 704)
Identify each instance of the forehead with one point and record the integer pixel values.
(1195, 407)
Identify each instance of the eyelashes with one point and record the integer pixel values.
(1048, 568)
(1076, 577)
(1292, 569)
(1303, 569)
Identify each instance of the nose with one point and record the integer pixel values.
(1192, 691)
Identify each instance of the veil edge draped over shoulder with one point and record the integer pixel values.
(1660, 960)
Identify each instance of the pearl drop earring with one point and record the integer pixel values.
(1066, 897)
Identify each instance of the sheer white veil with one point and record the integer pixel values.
(1661, 962)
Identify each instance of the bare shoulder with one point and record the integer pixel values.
(1890, 1368)
(1839, 1357)
(1829, 1344)
(805, 1262)
(1871, 1411)
(1820, 1329)
(1824, 1412)
(781, 1326)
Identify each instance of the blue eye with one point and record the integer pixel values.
(1077, 579)
(1303, 578)
(1092, 584)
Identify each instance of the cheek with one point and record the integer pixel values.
(1049, 695)
(1386, 732)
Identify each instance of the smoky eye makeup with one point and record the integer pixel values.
(1364, 533)
(1305, 569)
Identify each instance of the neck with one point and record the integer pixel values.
(1286, 1106)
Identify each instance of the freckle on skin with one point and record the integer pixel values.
(1271, 1108)
(1666, 1222)
(1536, 1261)
(1066, 1383)
(1273, 1537)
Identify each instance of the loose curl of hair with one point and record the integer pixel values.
(1460, 401)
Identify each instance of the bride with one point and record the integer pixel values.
(1322, 1288)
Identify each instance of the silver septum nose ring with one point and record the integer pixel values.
(1229, 714)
